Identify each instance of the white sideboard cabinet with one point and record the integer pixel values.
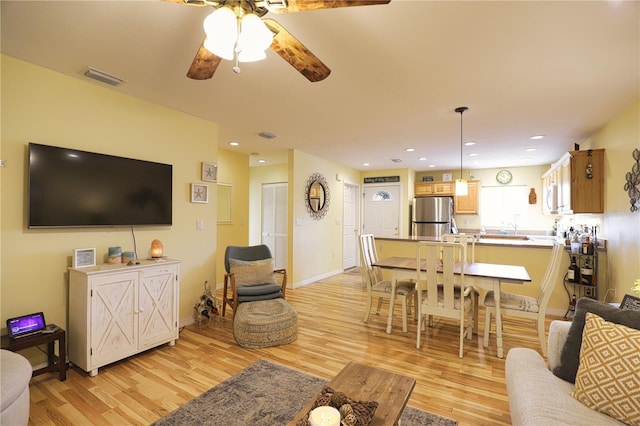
(116, 311)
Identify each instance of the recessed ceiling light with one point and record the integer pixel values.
(470, 143)
(261, 161)
(530, 149)
(432, 165)
(409, 149)
(473, 154)
(366, 164)
(422, 158)
(234, 143)
(536, 137)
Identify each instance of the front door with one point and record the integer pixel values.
(381, 210)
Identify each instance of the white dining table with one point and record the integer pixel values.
(488, 276)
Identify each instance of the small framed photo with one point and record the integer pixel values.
(83, 258)
(630, 302)
(209, 172)
(199, 193)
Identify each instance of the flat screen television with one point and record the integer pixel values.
(73, 188)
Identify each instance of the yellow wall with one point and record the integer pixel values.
(233, 169)
(620, 226)
(47, 107)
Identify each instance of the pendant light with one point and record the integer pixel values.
(462, 188)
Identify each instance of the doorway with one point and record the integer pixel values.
(350, 225)
(274, 221)
(381, 210)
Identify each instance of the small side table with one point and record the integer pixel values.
(54, 363)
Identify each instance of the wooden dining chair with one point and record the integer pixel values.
(521, 306)
(468, 241)
(379, 287)
(441, 292)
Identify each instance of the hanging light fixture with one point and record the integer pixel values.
(461, 184)
(233, 33)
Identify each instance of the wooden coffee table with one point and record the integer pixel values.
(360, 382)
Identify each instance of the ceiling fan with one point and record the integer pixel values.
(206, 62)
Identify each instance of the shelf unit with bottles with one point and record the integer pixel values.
(581, 278)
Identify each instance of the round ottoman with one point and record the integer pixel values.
(15, 373)
(265, 323)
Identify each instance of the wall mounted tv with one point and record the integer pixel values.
(72, 188)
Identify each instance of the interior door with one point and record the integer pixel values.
(274, 221)
(381, 210)
(350, 226)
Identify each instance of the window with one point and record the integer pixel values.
(504, 206)
(381, 196)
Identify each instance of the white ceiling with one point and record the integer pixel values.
(557, 68)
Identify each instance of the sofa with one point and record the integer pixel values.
(592, 369)
(15, 373)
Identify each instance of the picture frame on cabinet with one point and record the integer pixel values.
(209, 172)
(84, 257)
(199, 193)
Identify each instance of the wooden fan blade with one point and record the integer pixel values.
(301, 5)
(294, 52)
(204, 65)
(189, 2)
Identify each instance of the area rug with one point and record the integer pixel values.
(270, 394)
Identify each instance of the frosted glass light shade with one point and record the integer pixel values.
(461, 187)
(221, 28)
(254, 39)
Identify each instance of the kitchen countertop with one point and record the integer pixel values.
(532, 241)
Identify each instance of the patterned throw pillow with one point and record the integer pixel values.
(570, 355)
(608, 378)
(252, 272)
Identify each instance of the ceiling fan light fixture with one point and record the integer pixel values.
(221, 27)
(254, 37)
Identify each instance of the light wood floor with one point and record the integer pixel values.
(143, 388)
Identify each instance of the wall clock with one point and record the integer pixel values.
(504, 176)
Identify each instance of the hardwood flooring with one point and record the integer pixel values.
(145, 387)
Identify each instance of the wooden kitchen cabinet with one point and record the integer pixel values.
(116, 311)
(467, 204)
(575, 183)
(434, 189)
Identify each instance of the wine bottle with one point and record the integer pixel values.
(573, 273)
(586, 273)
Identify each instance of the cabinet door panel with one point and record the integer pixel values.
(157, 301)
(113, 322)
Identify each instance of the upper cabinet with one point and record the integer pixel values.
(425, 189)
(467, 204)
(574, 184)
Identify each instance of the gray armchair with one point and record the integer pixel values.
(246, 279)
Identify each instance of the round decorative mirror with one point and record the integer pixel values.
(317, 196)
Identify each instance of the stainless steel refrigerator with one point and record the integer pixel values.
(432, 216)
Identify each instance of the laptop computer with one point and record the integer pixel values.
(26, 325)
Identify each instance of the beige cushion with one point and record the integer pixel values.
(252, 272)
(402, 287)
(513, 301)
(608, 378)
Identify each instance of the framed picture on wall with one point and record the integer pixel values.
(83, 258)
(209, 172)
(199, 193)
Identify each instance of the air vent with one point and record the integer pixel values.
(103, 77)
(396, 160)
(266, 135)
